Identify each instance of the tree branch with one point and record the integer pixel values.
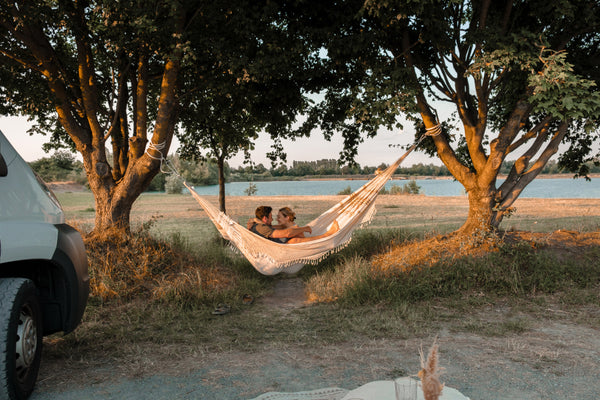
(67, 108)
(499, 146)
(87, 77)
(509, 191)
(528, 135)
(24, 63)
(140, 105)
(445, 151)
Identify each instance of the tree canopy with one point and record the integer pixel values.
(116, 77)
(263, 86)
(521, 75)
(96, 75)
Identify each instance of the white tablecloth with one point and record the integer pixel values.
(376, 390)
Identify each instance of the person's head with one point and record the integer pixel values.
(286, 215)
(264, 214)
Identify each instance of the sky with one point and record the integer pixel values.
(372, 152)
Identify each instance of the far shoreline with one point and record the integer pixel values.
(404, 177)
(72, 186)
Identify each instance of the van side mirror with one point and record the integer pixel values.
(3, 168)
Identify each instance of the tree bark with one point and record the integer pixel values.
(221, 165)
(481, 217)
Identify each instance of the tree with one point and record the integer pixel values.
(96, 74)
(61, 166)
(521, 75)
(260, 87)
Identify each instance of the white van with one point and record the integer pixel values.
(44, 281)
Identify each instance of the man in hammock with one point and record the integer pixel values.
(286, 231)
(262, 225)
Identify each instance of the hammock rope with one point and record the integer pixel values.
(270, 258)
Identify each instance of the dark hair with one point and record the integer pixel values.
(263, 211)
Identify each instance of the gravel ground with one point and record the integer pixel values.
(540, 365)
(552, 359)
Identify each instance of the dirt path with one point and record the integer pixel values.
(287, 295)
(550, 360)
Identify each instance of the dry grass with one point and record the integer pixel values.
(157, 272)
(139, 265)
(424, 253)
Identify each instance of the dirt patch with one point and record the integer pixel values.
(288, 294)
(561, 243)
(552, 359)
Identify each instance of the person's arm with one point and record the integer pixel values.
(253, 221)
(290, 232)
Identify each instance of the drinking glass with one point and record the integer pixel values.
(406, 389)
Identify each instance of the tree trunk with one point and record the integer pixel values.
(482, 217)
(112, 212)
(221, 164)
(113, 202)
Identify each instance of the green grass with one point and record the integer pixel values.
(512, 272)
(166, 280)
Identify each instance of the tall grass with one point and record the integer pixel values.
(171, 270)
(512, 270)
(179, 272)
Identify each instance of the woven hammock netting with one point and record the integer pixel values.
(270, 258)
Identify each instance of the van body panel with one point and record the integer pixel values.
(22, 240)
(23, 196)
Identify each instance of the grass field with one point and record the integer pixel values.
(180, 213)
(180, 258)
(154, 292)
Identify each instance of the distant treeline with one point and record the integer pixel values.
(62, 166)
(330, 167)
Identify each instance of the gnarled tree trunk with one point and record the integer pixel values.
(481, 216)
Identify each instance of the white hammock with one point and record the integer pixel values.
(270, 258)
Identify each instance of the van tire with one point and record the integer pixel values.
(20, 338)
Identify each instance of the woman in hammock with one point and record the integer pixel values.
(286, 218)
(287, 231)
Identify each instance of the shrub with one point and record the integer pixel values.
(346, 191)
(408, 188)
(173, 185)
(251, 189)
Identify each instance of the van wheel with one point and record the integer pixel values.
(20, 338)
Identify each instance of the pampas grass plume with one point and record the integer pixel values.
(430, 373)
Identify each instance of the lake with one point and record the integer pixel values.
(539, 188)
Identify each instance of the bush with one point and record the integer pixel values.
(158, 183)
(346, 191)
(408, 188)
(62, 166)
(412, 187)
(251, 190)
(173, 185)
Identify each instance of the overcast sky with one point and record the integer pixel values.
(370, 153)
